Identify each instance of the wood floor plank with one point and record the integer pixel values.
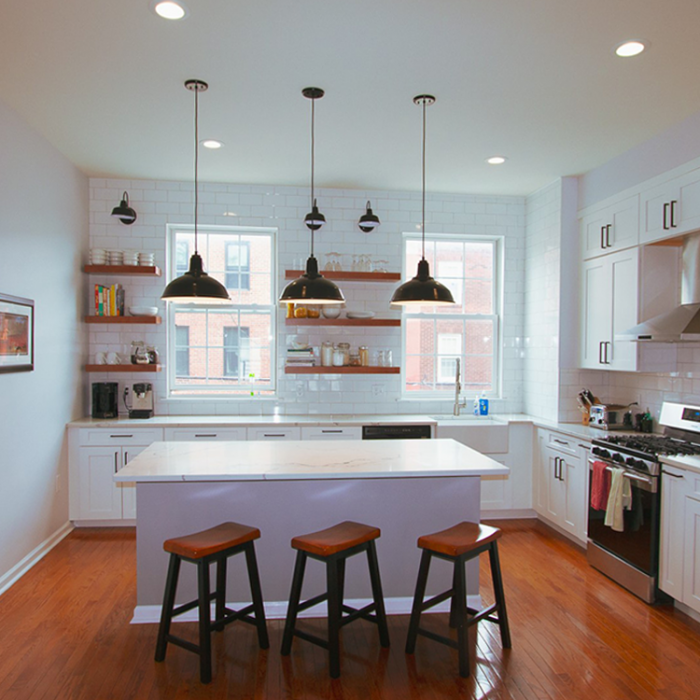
(65, 635)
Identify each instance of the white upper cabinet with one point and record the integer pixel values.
(612, 228)
(670, 209)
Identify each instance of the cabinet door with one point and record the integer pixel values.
(573, 472)
(332, 433)
(691, 574)
(624, 300)
(99, 497)
(596, 312)
(128, 488)
(656, 215)
(593, 234)
(495, 490)
(205, 433)
(614, 228)
(687, 211)
(555, 492)
(671, 548)
(271, 432)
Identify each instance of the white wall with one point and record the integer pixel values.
(158, 203)
(43, 231)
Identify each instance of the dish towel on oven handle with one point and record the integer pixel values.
(619, 500)
(600, 486)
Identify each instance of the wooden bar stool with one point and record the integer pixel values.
(333, 546)
(459, 544)
(216, 544)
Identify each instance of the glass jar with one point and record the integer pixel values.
(327, 353)
(364, 356)
(354, 359)
(338, 357)
(152, 354)
(345, 349)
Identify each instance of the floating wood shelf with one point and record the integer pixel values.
(152, 320)
(152, 270)
(123, 368)
(342, 321)
(349, 275)
(341, 370)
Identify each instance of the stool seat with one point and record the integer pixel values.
(336, 539)
(459, 539)
(211, 541)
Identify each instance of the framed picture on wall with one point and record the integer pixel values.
(16, 334)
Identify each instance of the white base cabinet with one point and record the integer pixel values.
(679, 556)
(561, 482)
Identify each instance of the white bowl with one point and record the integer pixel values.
(360, 314)
(329, 311)
(143, 310)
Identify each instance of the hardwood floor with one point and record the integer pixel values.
(65, 634)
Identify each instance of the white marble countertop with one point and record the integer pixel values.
(306, 459)
(689, 462)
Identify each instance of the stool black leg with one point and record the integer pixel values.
(499, 595)
(168, 605)
(377, 594)
(221, 565)
(421, 583)
(453, 609)
(256, 593)
(204, 621)
(293, 608)
(334, 614)
(459, 606)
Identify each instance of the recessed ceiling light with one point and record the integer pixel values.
(169, 9)
(630, 48)
(212, 143)
(496, 160)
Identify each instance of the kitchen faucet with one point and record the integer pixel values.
(458, 387)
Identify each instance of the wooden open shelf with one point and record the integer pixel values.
(123, 368)
(342, 322)
(152, 270)
(319, 369)
(349, 275)
(151, 320)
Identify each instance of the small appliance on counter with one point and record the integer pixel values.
(611, 416)
(105, 401)
(141, 404)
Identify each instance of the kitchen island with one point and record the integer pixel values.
(405, 487)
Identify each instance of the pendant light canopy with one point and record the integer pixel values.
(422, 289)
(312, 287)
(369, 220)
(124, 212)
(196, 286)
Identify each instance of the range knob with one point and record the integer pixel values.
(617, 457)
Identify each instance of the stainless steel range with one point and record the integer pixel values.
(631, 556)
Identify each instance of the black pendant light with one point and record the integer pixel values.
(422, 289)
(312, 287)
(196, 286)
(369, 220)
(124, 212)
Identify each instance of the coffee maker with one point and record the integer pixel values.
(141, 404)
(105, 400)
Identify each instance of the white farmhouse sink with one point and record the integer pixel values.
(468, 419)
(484, 434)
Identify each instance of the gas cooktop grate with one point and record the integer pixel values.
(651, 444)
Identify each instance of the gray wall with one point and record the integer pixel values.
(43, 231)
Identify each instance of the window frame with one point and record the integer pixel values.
(497, 305)
(245, 392)
(241, 272)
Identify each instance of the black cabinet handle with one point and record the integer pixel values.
(600, 353)
(585, 447)
(561, 442)
(673, 213)
(666, 226)
(116, 465)
(607, 236)
(606, 360)
(205, 435)
(121, 436)
(602, 237)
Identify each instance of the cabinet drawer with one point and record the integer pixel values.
(274, 433)
(119, 436)
(332, 433)
(180, 434)
(563, 443)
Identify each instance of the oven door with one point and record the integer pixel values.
(638, 544)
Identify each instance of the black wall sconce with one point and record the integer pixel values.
(369, 220)
(124, 212)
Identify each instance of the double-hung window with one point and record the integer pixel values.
(434, 337)
(229, 350)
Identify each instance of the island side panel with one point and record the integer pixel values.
(404, 508)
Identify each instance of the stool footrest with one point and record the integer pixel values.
(184, 643)
(438, 638)
(313, 601)
(319, 641)
(355, 614)
(483, 615)
(435, 600)
(232, 615)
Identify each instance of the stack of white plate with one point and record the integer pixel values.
(115, 257)
(131, 257)
(98, 256)
(147, 259)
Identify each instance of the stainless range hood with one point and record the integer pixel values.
(683, 322)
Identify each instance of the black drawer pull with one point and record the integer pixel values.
(204, 435)
(121, 436)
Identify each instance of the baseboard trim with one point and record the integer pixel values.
(510, 514)
(277, 609)
(105, 523)
(37, 554)
(687, 610)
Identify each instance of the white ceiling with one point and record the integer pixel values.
(534, 80)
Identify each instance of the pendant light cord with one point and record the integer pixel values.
(423, 204)
(313, 158)
(196, 162)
